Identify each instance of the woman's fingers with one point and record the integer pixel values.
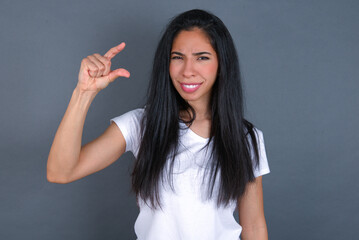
(99, 65)
(114, 51)
(120, 72)
(102, 82)
(90, 67)
(97, 69)
(105, 62)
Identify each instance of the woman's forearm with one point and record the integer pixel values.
(66, 147)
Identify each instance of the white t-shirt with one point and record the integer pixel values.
(186, 213)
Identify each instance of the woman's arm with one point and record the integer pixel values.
(251, 212)
(67, 160)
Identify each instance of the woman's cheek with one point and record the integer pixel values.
(172, 70)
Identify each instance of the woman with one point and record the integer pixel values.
(197, 158)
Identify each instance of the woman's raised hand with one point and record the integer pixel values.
(95, 71)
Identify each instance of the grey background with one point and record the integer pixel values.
(299, 61)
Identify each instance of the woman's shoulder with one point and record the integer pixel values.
(130, 124)
(134, 113)
(132, 116)
(138, 112)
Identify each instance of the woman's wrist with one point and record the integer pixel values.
(83, 99)
(84, 94)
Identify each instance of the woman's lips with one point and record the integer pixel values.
(190, 87)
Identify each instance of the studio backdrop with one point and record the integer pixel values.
(299, 65)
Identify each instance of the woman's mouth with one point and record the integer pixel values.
(191, 87)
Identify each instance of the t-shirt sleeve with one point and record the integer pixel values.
(263, 167)
(130, 126)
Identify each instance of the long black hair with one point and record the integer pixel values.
(229, 130)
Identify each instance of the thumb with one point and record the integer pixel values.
(120, 72)
(102, 82)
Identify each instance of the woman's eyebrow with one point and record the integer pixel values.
(178, 53)
(194, 54)
(201, 53)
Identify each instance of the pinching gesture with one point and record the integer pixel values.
(95, 71)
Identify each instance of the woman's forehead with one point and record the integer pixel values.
(192, 41)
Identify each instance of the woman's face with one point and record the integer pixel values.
(193, 66)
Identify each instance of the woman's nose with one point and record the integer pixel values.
(188, 69)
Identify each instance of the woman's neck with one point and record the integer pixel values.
(203, 112)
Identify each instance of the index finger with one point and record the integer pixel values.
(114, 51)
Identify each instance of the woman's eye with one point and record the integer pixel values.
(203, 58)
(176, 57)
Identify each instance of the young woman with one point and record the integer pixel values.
(197, 158)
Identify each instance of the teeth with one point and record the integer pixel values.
(190, 86)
